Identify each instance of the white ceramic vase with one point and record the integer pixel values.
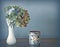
(11, 40)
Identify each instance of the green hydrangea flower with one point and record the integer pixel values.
(17, 16)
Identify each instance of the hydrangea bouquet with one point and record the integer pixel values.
(17, 16)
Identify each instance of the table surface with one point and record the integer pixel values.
(24, 42)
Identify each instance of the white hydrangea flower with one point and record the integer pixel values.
(10, 11)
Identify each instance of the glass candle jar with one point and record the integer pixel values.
(34, 37)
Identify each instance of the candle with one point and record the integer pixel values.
(34, 38)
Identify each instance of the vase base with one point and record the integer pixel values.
(11, 42)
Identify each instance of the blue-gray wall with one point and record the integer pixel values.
(44, 17)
